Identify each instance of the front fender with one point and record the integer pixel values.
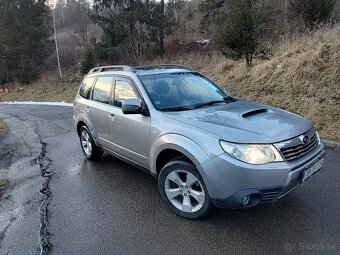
(180, 143)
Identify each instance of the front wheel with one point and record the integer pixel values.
(88, 146)
(183, 189)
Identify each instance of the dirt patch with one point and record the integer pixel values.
(3, 127)
(3, 186)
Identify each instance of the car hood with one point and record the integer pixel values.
(245, 122)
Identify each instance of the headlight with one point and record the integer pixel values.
(252, 153)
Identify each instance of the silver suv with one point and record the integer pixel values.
(204, 147)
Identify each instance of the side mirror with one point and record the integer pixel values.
(131, 106)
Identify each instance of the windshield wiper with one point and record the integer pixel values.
(210, 103)
(227, 100)
(177, 109)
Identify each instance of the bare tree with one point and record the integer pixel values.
(56, 44)
(135, 49)
(81, 22)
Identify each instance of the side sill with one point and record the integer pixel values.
(130, 162)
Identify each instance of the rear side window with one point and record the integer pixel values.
(86, 87)
(102, 89)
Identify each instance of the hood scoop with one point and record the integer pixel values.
(254, 112)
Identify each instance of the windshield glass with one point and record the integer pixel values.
(181, 91)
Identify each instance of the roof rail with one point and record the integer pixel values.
(111, 68)
(167, 66)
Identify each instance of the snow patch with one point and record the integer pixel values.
(40, 103)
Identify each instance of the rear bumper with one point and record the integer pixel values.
(229, 181)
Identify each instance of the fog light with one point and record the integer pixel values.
(245, 200)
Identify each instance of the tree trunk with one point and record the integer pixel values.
(249, 60)
(161, 30)
(286, 19)
(56, 45)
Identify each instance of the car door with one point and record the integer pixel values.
(98, 108)
(129, 133)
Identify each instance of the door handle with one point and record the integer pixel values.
(87, 109)
(112, 116)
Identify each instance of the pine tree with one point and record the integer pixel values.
(89, 61)
(241, 25)
(24, 44)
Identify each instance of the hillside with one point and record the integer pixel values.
(302, 76)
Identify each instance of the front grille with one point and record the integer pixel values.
(297, 147)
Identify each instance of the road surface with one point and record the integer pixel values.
(110, 207)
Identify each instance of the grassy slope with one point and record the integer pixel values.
(303, 76)
(48, 88)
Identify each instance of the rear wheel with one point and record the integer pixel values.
(183, 189)
(88, 146)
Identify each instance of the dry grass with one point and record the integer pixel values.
(3, 128)
(49, 88)
(303, 76)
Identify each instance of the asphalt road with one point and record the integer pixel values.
(109, 207)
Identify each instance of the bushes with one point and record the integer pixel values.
(311, 11)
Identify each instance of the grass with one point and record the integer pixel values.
(3, 183)
(302, 76)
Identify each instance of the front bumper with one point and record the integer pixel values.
(229, 181)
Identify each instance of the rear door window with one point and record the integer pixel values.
(102, 89)
(86, 87)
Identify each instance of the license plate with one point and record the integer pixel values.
(310, 171)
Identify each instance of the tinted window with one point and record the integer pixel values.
(86, 87)
(124, 89)
(102, 89)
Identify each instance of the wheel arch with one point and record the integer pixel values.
(170, 146)
(84, 121)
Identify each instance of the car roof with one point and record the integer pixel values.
(140, 71)
(162, 71)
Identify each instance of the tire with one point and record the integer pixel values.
(88, 146)
(189, 200)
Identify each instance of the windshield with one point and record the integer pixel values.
(181, 91)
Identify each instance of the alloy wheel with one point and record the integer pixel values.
(184, 191)
(86, 142)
